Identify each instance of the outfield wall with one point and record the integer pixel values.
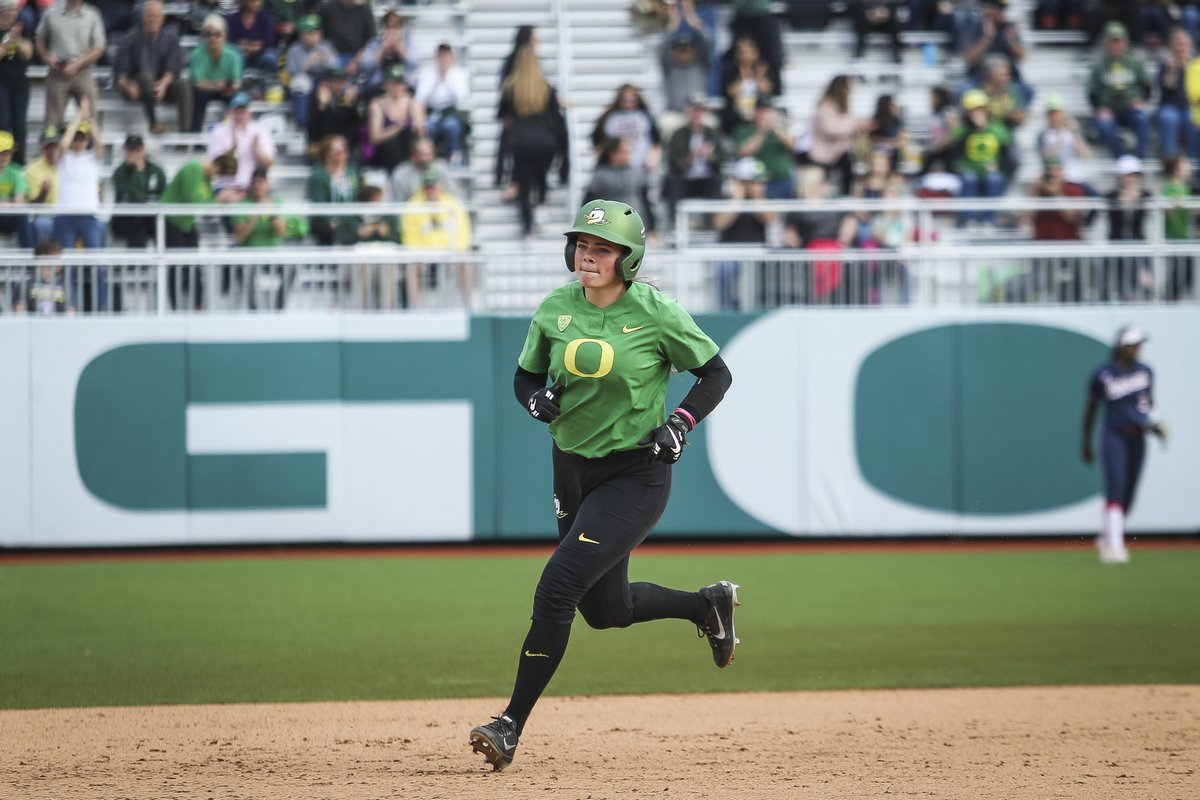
(209, 430)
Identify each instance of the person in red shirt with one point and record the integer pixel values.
(1059, 275)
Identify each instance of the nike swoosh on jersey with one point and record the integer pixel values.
(535, 655)
(627, 329)
(583, 538)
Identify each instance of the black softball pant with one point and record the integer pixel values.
(606, 507)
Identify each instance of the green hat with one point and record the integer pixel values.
(613, 222)
(1115, 30)
(310, 23)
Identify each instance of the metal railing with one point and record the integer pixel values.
(705, 276)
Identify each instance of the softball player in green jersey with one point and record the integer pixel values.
(607, 345)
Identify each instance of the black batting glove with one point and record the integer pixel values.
(542, 405)
(667, 440)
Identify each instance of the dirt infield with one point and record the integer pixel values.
(1141, 743)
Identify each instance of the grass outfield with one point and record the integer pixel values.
(205, 630)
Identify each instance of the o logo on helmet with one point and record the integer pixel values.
(607, 356)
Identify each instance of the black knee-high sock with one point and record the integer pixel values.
(651, 601)
(544, 647)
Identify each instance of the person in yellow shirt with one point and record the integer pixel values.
(445, 228)
(1191, 85)
(41, 175)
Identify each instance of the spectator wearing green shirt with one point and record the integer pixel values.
(137, 180)
(333, 180)
(981, 147)
(262, 229)
(1118, 87)
(13, 191)
(1180, 224)
(767, 140)
(215, 69)
(192, 184)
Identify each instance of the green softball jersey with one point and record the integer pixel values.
(614, 361)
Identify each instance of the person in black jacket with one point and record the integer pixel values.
(1127, 277)
(534, 135)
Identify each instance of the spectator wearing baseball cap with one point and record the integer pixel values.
(215, 69)
(244, 138)
(78, 203)
(1118, 88)
(333, 108)
(1127, 278)
(136, 180)
(13, 191)
(1062, 139)
(393, 120)
(684, 56)
(446, 227)
(307, 58)
(41, 176)
(767, 139)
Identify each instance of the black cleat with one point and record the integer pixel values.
(718, 625)
(497, 741)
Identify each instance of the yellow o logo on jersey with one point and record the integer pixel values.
(607, 355)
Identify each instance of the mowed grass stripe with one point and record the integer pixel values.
(272, 630)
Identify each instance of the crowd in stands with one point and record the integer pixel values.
(1142, 87)
(360, 94)
(367, 101)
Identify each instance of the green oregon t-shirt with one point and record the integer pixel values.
(12, 183)
(614, 361)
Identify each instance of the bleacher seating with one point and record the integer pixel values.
(606, 50)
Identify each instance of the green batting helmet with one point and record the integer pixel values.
(613, 222)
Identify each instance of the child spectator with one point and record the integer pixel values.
(981, 146)
(46, 293)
